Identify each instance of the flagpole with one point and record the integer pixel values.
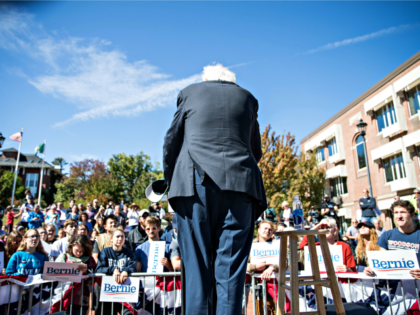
(42, 175)
(16, 169)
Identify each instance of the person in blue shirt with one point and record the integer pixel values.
(74, 214)
(152, 228)
(36, 218)
(29, 258)
(84, 220)
(403, 237)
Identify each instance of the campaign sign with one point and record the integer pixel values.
(395, 264)
(156, 252)
(336, 257)
(115, 292)
(266, 251)
(62, 272)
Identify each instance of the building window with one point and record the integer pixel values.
(332, 147)
(360, 149)
(394, 168)
(414, 100)
(320, 157)
(386, 116)
(339, 186)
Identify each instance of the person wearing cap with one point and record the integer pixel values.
(367, 241)
(171, 234)
(133, 216)
(210, 162)
(403, 237)
(368, 205)
(21, 230)
(138, 235)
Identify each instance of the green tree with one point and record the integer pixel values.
(286, 174)
(133, 172)
(59, 161)
(6, 188)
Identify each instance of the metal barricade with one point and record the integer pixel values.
(58, 297)
(356, 287)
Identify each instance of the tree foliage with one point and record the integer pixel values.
(133, 173)
(6, 188)
(286, 173)
(59, 161)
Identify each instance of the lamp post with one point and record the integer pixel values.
(361, 126)
(1, 139)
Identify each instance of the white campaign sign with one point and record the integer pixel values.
(268, 252)
(156, 252)
(336, 257)
(395, 264)
(114, 292)
(1, 260)
(62, 272)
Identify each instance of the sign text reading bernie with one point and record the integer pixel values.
(63, 271)
(265, 252)
(119, 288)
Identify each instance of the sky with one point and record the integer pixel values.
(101, 78)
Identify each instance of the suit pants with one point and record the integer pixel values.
(215, 231)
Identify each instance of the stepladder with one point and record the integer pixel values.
(289, 239)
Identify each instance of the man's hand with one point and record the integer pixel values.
(117, 275)
(415, 273)
(266, 275)
(368, 271)
(361, 203)
(82, 268)
(123, 277)
(261, 266)
(164, 261)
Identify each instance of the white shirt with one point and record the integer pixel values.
(59, 247)
(133, 217)
(286, 217)
(162, 214)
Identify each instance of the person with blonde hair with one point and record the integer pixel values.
(367, 241)
(29, 258)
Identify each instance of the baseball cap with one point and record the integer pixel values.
(143, 212)
(326, 196)
(156, 190)
(365, 223)
(20, 228)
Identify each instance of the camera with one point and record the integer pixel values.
(314, 214)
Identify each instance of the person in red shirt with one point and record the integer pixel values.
(332, 238)
(10, 218)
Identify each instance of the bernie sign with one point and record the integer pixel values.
(62, 272)
(156, 252)
(396, 264)
(115, 292)
(267, 252)
(336, 257)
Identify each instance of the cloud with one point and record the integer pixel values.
(359, 39)
(91, 74)
(81, 157)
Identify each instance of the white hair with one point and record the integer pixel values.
(285, 203)
(330, 221)
(218, 73)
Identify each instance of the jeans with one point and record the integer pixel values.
(370, 219)
(215, 230)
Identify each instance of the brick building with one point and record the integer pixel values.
(30, 167)
(392, 111)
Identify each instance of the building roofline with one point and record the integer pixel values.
(412, 60)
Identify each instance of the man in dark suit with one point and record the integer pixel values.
(210, 158)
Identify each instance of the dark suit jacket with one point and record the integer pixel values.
(215, 130)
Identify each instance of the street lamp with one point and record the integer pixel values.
(361, 127)
(1, 139)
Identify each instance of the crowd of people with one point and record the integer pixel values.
(112, 240)
(115, 239)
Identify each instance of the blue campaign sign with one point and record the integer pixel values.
(115, 292)
(396, 264)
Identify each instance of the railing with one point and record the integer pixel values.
(354, 287)
(21, 298)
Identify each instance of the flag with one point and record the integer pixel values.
(17, 137)
(40, 148)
